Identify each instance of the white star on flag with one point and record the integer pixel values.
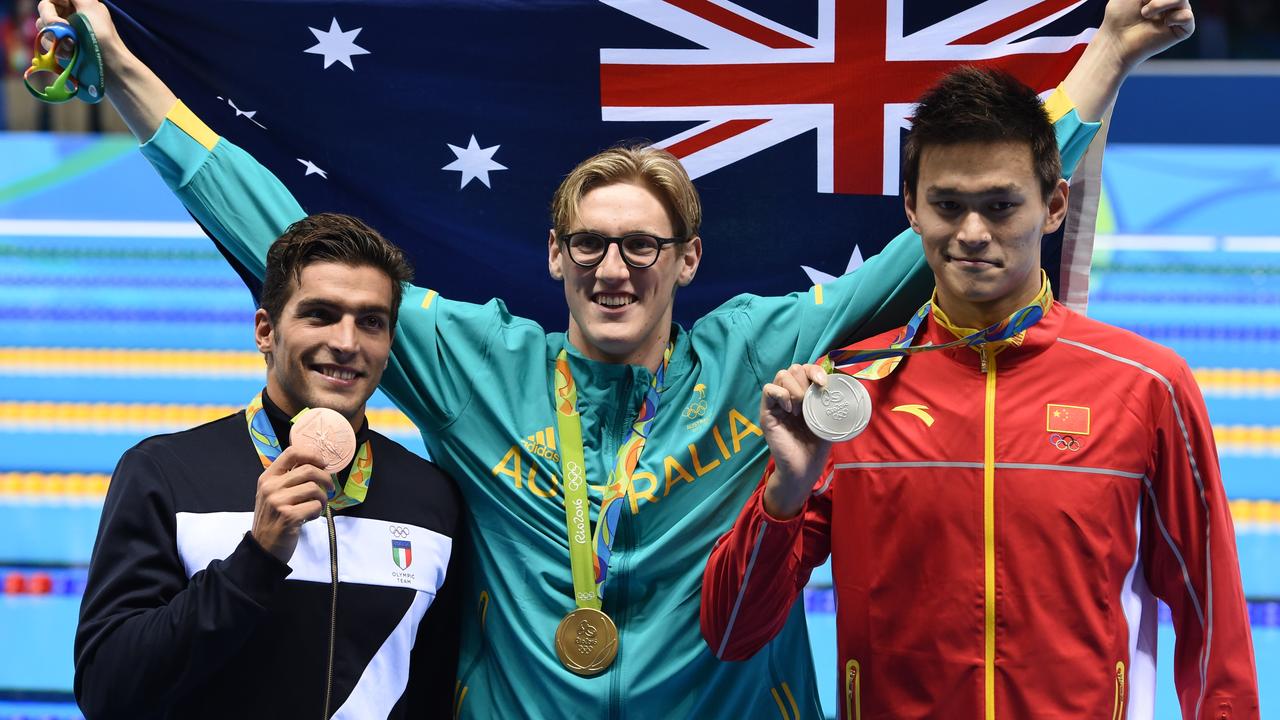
(817, 277)
(313, 169)
(474, 162)
(243, 113)
(336, 45)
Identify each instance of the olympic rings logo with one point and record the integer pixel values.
(1064, 442)
(696, 409)
(398, 531)
(573, 476)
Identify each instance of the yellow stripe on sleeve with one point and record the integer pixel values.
(781, 708)
(795, 709)
(426, 301)
(817, 294)
(187, 121)
(1058, 104)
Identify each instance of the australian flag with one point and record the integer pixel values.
(447, 124)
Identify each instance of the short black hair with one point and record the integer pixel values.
(329, 237)
(971, 104)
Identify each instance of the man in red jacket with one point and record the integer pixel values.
(1000, 532)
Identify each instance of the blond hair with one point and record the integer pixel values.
(656, 168)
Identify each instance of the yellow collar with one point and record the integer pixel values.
(1044, 297)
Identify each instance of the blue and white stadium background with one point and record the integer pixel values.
(91, 360)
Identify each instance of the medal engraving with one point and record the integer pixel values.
(838, 412)
(587, 642)
(329, 433)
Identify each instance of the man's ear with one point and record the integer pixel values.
(553, 257)
(909, 204)
(1059, 199)
(264, 332)
(689, 260)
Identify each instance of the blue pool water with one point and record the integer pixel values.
(1217, 306)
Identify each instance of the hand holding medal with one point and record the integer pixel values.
(798, 453)
(297, 484)
(292, 490)
(837, 406)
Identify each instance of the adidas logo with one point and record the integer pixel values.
(543, 444)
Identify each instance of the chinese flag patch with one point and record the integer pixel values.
(1067, 419)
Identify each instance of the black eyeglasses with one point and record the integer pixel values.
(587, 249)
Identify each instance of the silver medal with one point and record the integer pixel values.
(838, 412)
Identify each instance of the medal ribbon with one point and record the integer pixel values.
(886, 360)
(264, 440)
(589, 553)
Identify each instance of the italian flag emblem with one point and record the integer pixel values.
(402, 553)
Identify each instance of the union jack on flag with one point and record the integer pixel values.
(447, 125)
(755, 83)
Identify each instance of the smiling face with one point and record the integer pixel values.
(618, 313)
(331, 342)
(981, 211)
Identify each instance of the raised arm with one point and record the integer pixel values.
(1131, 32)
(140, 97)
(237, 200)
(244, 207)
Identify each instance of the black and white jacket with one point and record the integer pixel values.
(186, 616)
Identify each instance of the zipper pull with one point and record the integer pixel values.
(982, 353)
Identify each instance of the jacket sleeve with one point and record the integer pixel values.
(758, 569)
(148, 635)
(237, 200)
(1190, 554)
(880, 295)
(439, 344)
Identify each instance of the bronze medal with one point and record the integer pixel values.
(587, 641)
(327, 431)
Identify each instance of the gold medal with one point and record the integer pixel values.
(587, 641)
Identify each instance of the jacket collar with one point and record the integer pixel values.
(594, 373)
(940, 329)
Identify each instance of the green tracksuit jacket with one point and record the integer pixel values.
(477, 381)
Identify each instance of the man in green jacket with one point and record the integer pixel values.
(625, 410)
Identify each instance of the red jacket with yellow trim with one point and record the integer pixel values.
(1000, 533)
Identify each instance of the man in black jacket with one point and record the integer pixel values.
(233, 576)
